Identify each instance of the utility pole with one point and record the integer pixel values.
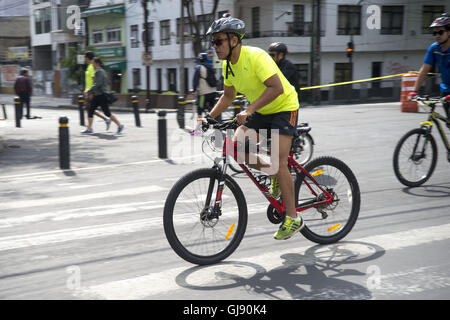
(146, 46)
(182, 76)
(315, 52)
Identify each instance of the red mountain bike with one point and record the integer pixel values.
(205, 214)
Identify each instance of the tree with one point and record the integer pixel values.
(199, 25)
(75, 71)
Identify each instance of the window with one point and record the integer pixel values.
(134, 36)
(42, 20)
(392, 20)
(255, 22)
(113, 35)
(187, 29)
(298, 24)
(97, 36)
(342, 72)
(150, 34)
(205, 21)
(221, 13)
(37, 21)
(429, 13)
(136, 78)
(349, 20)
(303, 71)
(164, 32)
(159, 79)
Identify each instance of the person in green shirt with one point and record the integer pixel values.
(88, 83)
(273, 106)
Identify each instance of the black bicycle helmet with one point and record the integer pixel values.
(228, 25)
(278, 47)
(442, 21)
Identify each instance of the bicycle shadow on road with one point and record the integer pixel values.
(316, 274)
(429, 191)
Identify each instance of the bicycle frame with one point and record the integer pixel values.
(434, 118)
(230, 148)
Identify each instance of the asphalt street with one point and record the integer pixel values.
(95, 231)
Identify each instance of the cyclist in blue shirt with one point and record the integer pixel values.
(438, 54)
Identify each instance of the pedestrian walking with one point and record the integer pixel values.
(97, 94)
(24, 89)
(204, 84)
(89, 81)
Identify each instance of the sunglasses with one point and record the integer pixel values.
(217, 42)
(440, 32)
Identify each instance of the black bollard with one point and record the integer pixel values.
(137, 119)
(81, 109)
(180, 112)
(238, 107)
(162, 134)
(5, 115)
(64, 148)
(18, 109)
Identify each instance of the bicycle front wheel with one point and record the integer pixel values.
(195, 231)
(415, 157)
(332, 222)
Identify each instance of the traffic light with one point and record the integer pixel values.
(349, 49)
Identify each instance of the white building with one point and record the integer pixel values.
(396, 45)
(50, 39)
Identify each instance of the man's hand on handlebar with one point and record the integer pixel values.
(412, 95)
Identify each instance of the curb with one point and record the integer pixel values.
(114, 109)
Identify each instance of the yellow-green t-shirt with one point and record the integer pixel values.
(253, 68)
(89, 77)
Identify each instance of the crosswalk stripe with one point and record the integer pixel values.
(165, 281)
(63, 235)
(88, 232)
(79, 198)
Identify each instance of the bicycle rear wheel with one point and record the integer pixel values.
(303, 149)
(415, 157)
(328, 223)
(194, 230)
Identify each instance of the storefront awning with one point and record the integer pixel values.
(116, 65)
(105, 10)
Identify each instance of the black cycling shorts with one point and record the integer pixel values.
(285, 122)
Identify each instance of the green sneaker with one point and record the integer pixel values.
(275, 190)
(288, 228)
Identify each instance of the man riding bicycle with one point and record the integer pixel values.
(273, 106)
(438, 54)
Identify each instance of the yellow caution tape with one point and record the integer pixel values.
(361, 80)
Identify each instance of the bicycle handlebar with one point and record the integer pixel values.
(230, 124)
(428, 99)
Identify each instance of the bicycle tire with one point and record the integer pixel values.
(306, 154)
(334, 174)
(173, 227)
(401, 172)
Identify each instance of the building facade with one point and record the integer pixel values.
(51, 37)
(389, 37)
(105, 21)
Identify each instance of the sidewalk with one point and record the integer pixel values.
(49, 102)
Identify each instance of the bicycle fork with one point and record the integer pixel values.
(418, 155)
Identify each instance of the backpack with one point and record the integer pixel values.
(211, 77)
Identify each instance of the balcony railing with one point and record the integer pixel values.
(295, 29)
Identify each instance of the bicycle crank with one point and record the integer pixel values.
(274, 216)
